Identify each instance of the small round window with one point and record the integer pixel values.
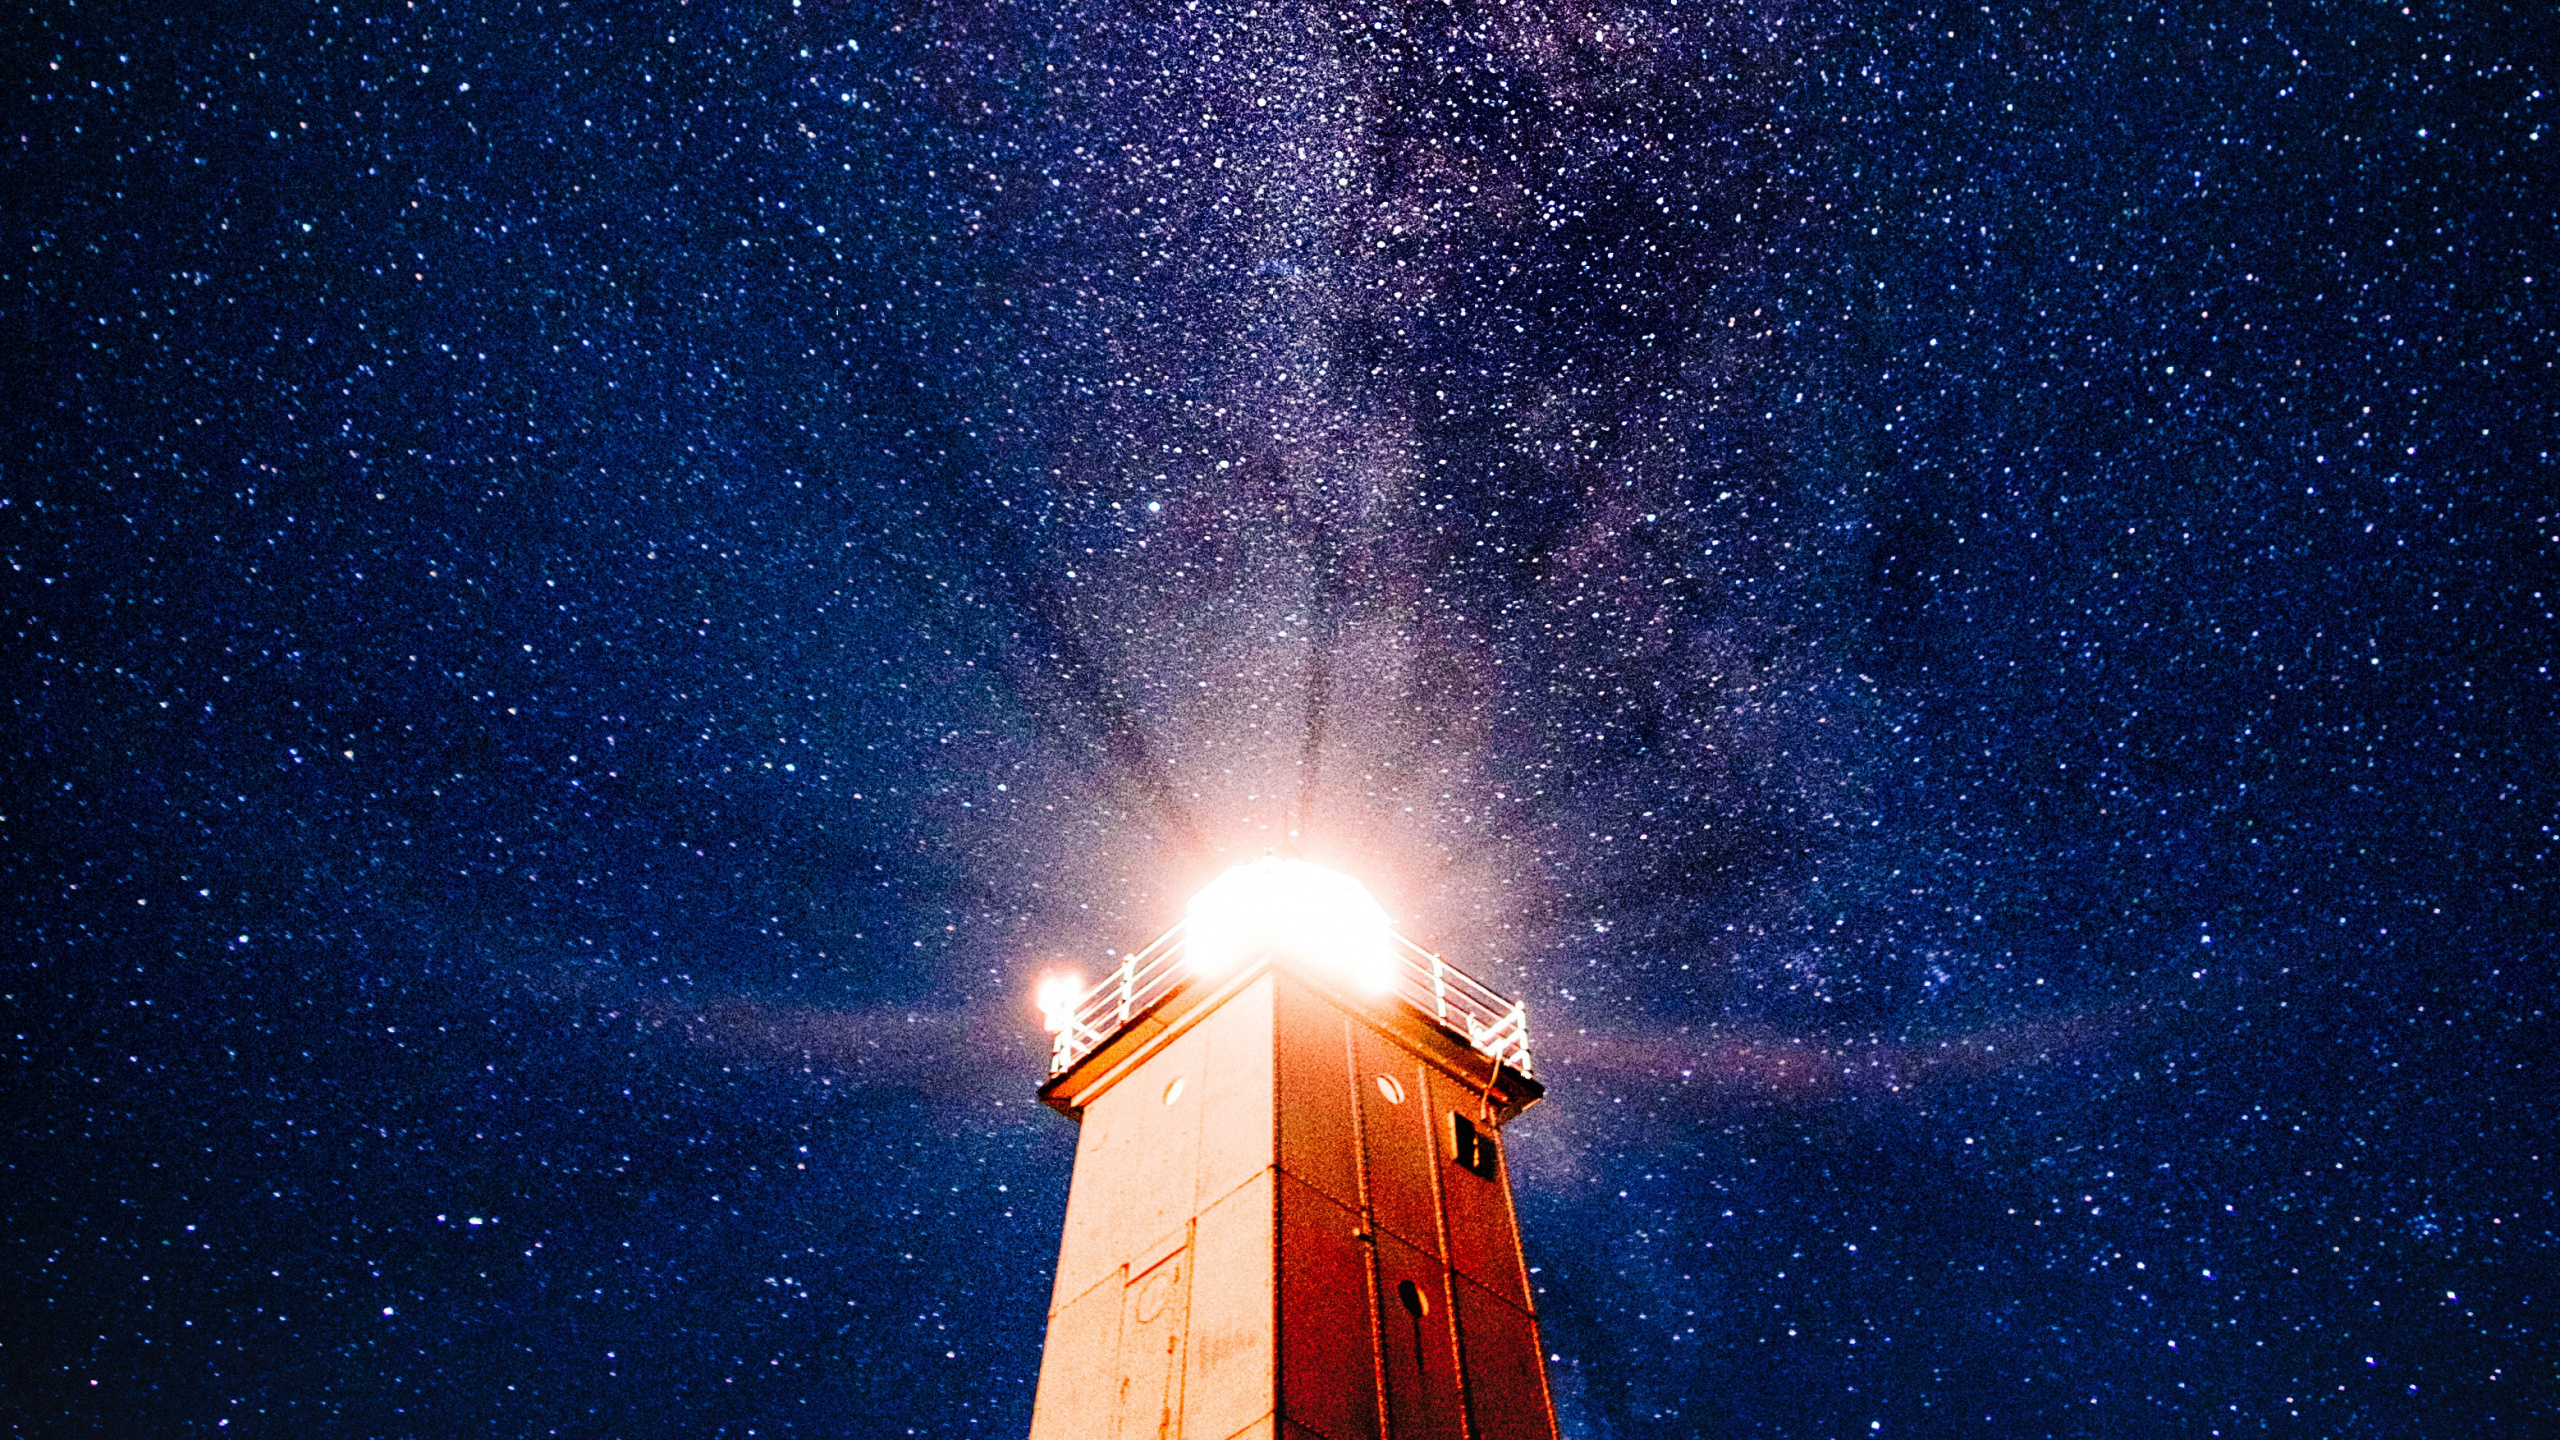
(1173, 1091)
(1390, 1087)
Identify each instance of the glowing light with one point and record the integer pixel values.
(1058, 996)
(1289, 907)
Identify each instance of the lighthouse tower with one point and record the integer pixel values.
(1291, 1215)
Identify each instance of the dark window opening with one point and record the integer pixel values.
(1472, 1148)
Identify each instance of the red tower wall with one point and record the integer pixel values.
(1263, 1241)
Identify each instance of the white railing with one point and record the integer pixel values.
(1497, 1027)
(1143, 978)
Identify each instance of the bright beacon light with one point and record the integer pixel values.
(1289, 907)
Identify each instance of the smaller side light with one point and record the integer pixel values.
(1058, 997)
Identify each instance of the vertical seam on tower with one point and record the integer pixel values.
(1368, 1220)
(1279, 1256)
(1431, 1127)
(1190, 1262)
(1519, 1243)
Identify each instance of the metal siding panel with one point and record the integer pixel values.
(1142, 1157)
(1398, 1137)
(1150, 1354)
(1163, 1170)
(1236, 1141)
(1152, 1329)
(1506, 1376)
(1316, 1125)
(1418, 1354)
(1328, 1375)
(1232, 1347)
(1079, 1374)
(1484, 1236)
(1090, 1246)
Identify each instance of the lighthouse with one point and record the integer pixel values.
(1291, 1212)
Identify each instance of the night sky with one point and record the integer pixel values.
(1961, 598)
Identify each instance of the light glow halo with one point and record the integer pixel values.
(1320, 918)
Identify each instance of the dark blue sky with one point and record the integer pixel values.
(1961, 598)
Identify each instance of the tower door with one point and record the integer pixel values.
(1155, 1315)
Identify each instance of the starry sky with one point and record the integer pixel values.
(1960, 597)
